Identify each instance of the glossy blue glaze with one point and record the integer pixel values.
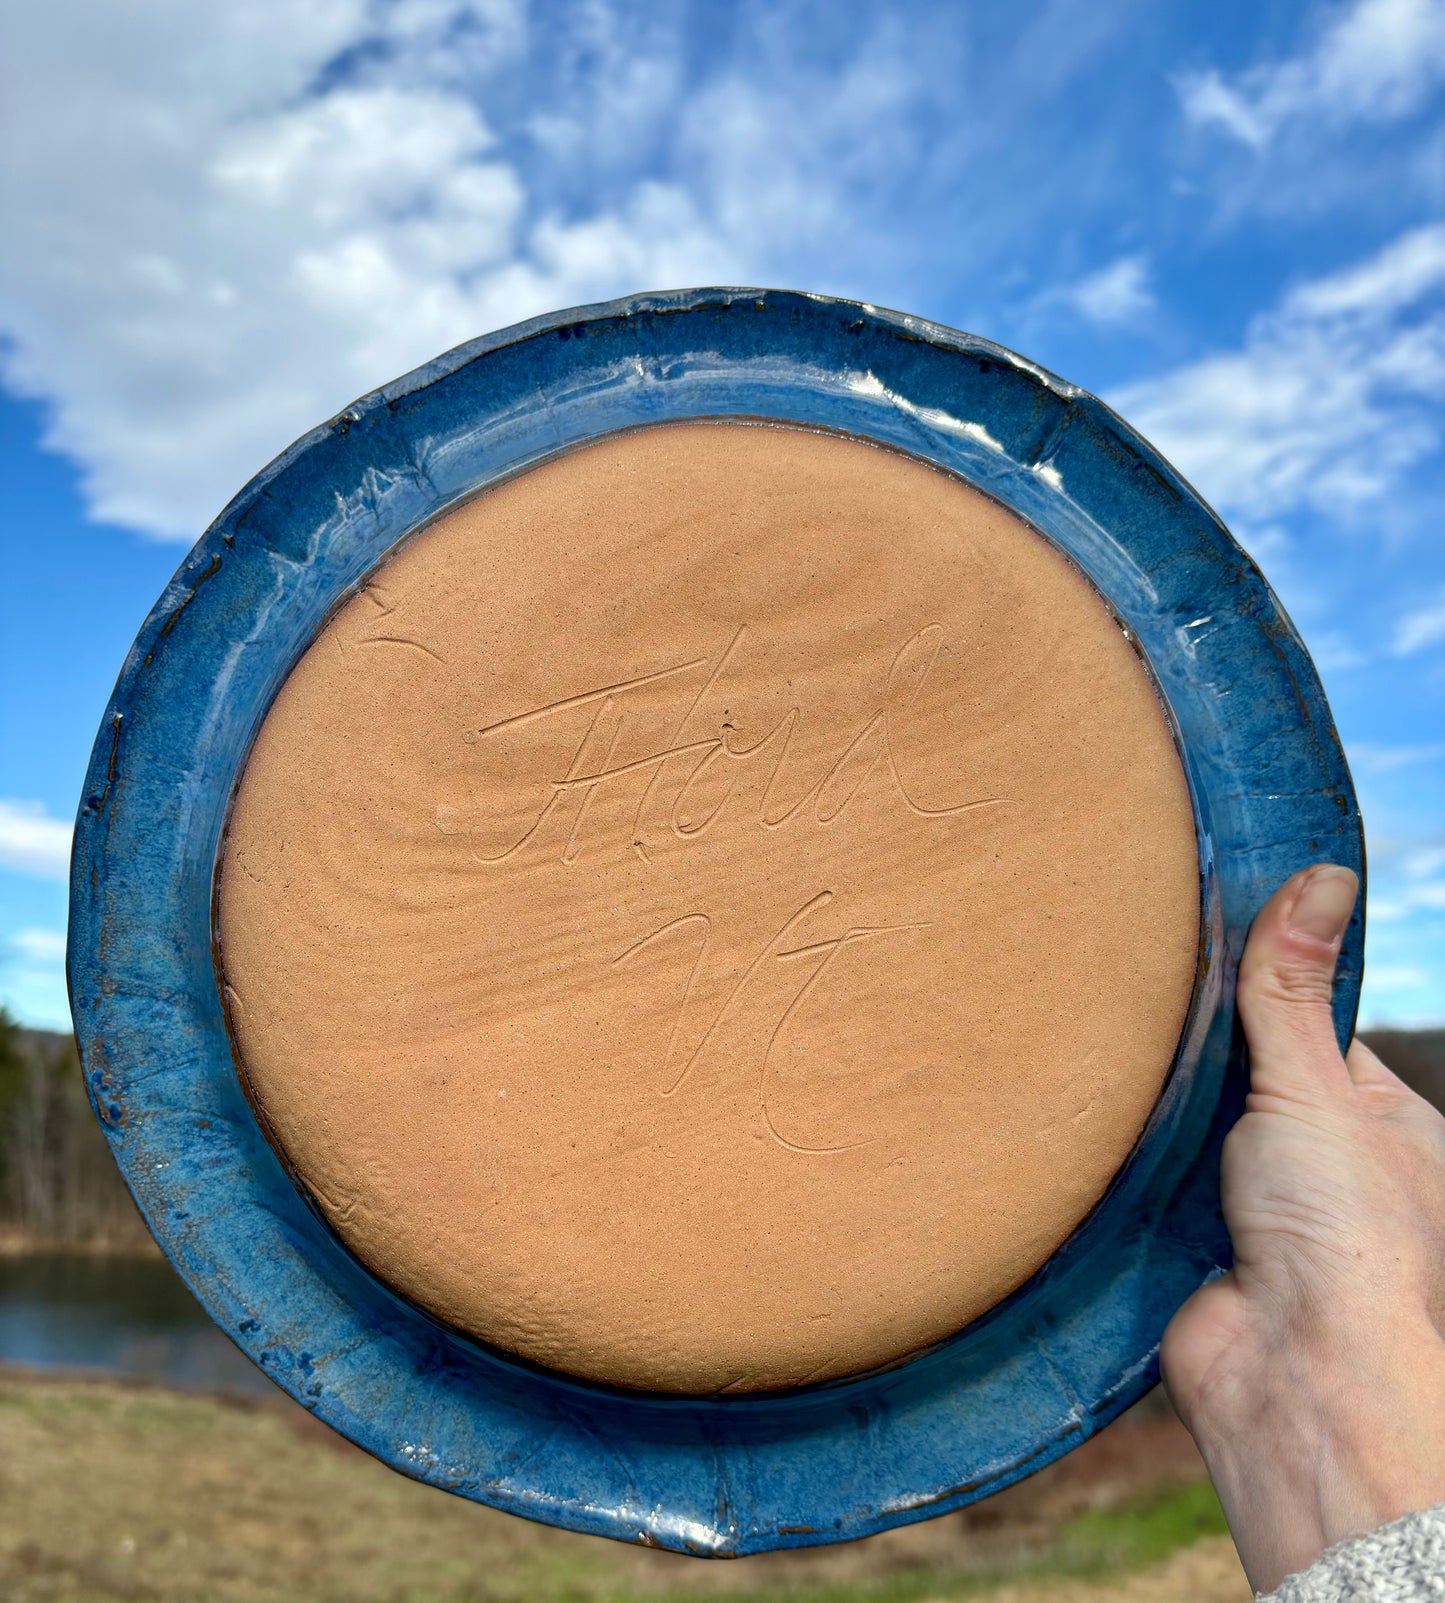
(722, 1475)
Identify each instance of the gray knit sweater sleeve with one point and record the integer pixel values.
(1403, 1562)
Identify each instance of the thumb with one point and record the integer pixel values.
(1286, 976)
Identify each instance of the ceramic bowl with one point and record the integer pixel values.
(730, 1475)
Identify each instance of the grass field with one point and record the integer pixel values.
(112, 1493)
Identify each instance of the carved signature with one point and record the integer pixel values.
(777, 950)
(693, 752)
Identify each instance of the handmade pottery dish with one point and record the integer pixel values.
(654, 915)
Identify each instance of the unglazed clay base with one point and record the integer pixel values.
(715, 912)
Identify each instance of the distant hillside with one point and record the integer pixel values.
(58, 1183)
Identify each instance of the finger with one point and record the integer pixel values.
(1385, 1092)
(1286, 976)
(1366, 1069)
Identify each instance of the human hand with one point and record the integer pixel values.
(1312, 1375)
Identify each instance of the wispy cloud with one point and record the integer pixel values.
(1372, 60)
(1396, 977)
(1333, 650)
(1410, 879)
(32, 977)
(1331, 396)
(42, 946)
(1372, 759)
(1424, 863)
(1420, 628)
(32, 841)
(1118, 293)
(1425, 896)
(1381, 286)
(1403, 974)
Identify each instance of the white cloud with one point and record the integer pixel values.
(1206, 98)
(1332, 395)
(1396, 977)
(770, 172)
(1373, 759)
(1424, 863)
(1425, 626)
(40, 946)
(1409, 878)
(1426, 896)
(1118, 293)
(32, 978)
(1332, 651)
(1404, 980)
(219, 254)
(32, 841)
(1386, 283)
(1372, 61)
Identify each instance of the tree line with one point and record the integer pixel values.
(58, 1182)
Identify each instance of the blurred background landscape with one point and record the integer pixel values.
(222, 224)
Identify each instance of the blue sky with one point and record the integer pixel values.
(224, 223)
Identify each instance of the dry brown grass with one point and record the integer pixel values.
(1208, 1572)
(111, 1493)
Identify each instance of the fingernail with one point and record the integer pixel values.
(1324, 903)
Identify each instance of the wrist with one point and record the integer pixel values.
(1346, 1434)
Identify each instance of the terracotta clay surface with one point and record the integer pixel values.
(714, 912)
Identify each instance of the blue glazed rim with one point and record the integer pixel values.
(711, 1476)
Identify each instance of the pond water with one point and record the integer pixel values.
(131, 1318)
